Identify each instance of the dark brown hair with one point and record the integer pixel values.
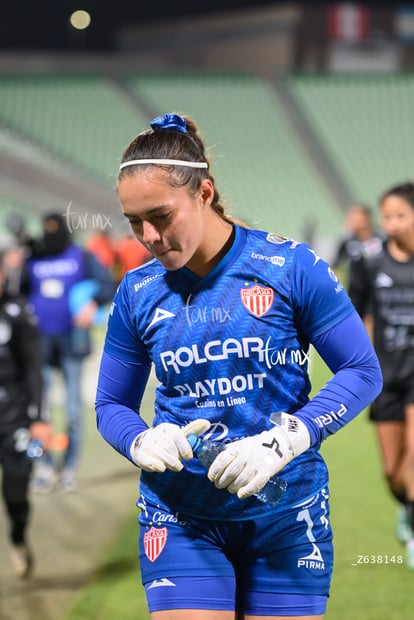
(404, 191)
(171, 144)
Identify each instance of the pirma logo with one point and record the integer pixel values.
(160, 315)
(313, 560)
(161, 583)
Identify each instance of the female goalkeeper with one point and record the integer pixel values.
(226, 315)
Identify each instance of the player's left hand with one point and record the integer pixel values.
(245, 466)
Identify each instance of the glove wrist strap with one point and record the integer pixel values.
(295, 430)
(135, 446)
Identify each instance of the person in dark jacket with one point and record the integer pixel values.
(21, 414)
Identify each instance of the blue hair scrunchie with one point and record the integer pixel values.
(172, 122)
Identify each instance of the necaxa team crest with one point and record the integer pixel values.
(257, 299)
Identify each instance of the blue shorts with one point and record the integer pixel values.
(275, 565)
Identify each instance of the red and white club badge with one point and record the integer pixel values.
(154, 542)
(257, 299)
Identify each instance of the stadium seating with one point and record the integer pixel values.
(82, 119)
(26, 150)
(366, 125)
(363, 123)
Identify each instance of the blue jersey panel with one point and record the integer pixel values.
(231, 347)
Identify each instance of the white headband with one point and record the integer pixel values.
(165, 162)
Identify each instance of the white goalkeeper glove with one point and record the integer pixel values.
(246, 465)
(165, 446)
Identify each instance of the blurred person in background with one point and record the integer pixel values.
(360, 239)
(66, 285)
(117, 255)
(23, 246)
(103, 246)
(14, 261)
(216, 312)
(21, 414)
(382, 285)
(16, 226)
(130, 254)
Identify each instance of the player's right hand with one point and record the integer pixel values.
(165, 446)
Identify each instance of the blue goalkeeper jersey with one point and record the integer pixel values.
(231, 347)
